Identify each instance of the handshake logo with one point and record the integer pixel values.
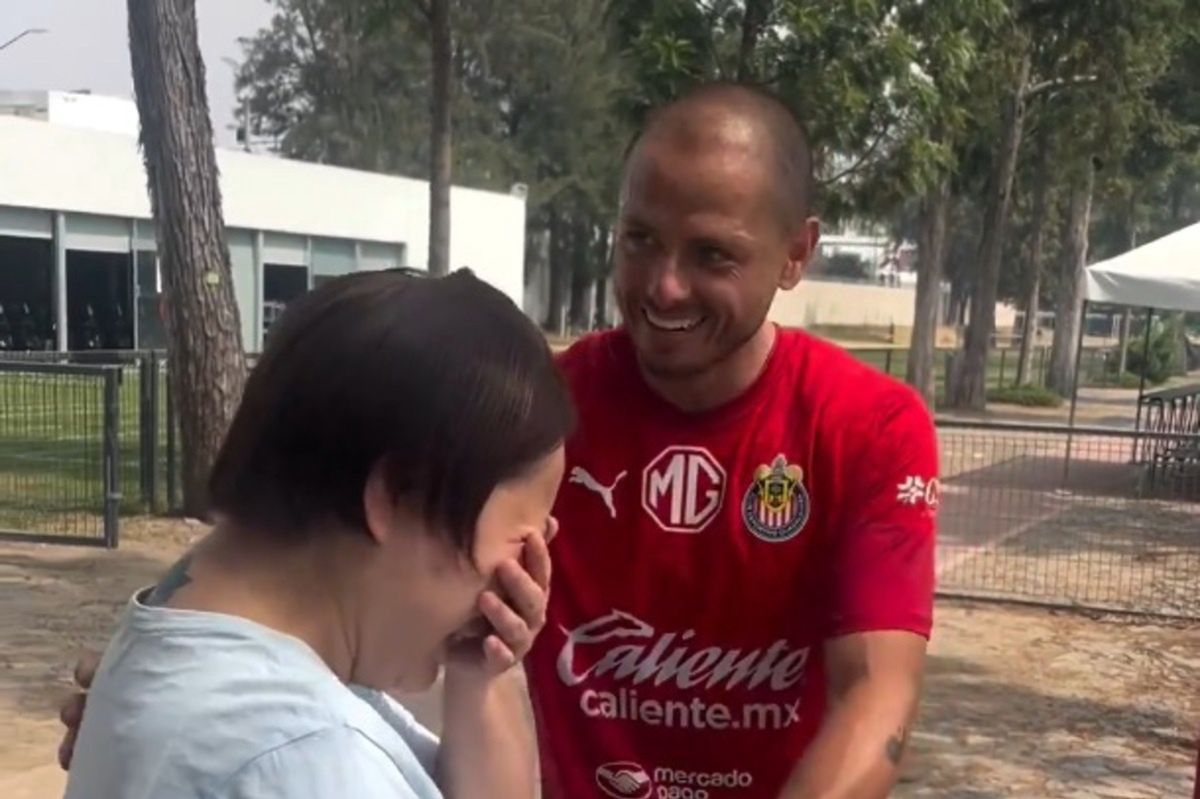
(628, 780)
(624, 780)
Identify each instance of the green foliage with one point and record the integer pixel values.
(1161, 361)
(900, 95)
(1111, 380)
(1028, 396)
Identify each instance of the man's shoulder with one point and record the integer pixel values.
(844, 385)
(592, 354)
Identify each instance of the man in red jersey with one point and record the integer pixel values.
(743, 590)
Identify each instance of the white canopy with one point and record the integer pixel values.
(1164, 274)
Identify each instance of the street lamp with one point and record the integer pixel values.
(22, 35)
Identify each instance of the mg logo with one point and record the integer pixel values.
(682, 489)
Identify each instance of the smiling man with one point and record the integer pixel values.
(744, 589)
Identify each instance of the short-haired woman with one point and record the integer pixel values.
(382, 507)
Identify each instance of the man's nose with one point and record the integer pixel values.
(669, 285)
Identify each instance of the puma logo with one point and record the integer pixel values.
(580, 476)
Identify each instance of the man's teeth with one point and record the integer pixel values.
(671, 324)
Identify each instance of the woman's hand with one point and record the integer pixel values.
(488, 747)
(516, 616)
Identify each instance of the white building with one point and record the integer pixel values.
(77, 251)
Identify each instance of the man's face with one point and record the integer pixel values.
(702, 246)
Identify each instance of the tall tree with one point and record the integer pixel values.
(1061, 375)
(931, 246)
(1037, 243)
(967, 387)
(948, 35)
(208, 365)
(755, 16)
(440, 166)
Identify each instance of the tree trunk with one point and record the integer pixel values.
(603, 255)
(1029, 326)
(969, 389)
(1126, 313)
(1123, 342)
(753, 19)
(440, 142)
(208, 365)
(601, 321)
(1069, 311)
(560, 272)
(581, 276)
(1033, 285)
(930, 253)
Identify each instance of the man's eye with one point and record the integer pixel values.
(637, 238)
(714, 256)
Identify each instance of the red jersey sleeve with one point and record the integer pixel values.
(884, 549)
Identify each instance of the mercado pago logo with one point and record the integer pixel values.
(626, 779)
(626, 669)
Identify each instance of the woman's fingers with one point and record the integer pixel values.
(85, 668)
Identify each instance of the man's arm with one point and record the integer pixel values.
(880, 604)
(874, 686)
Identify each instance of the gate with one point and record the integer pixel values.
(59, 453)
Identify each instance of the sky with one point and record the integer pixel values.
(87, 48)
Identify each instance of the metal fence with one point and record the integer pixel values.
(1095, 365)
(1090, 518)
(1083, 518)
(60, 460)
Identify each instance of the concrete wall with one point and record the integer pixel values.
(816, 303)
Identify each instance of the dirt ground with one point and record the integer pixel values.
(1019, 702)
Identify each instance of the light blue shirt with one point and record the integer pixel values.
(194, 705)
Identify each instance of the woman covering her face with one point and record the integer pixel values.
(382, 507)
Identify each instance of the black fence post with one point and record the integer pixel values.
(112, 456)
(171, 444)
(1003, 360)
(145, 464)
(887, 362)
(151, 454)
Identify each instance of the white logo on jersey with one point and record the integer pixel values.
(624, 780)
(682, 489)
(580, 476)
(639, 654)
(915, 490)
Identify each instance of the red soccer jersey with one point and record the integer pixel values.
(704, 558)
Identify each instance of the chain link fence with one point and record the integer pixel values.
(1087, 518)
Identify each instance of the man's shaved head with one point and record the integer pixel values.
(736, 113)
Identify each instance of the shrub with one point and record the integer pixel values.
(1028, 396)
(1110, 380)
(1160, 362)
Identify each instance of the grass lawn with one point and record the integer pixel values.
(52, 451)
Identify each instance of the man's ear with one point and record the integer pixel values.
(800, 253)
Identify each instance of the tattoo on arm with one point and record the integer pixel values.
(896, 745)
(175, 578)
